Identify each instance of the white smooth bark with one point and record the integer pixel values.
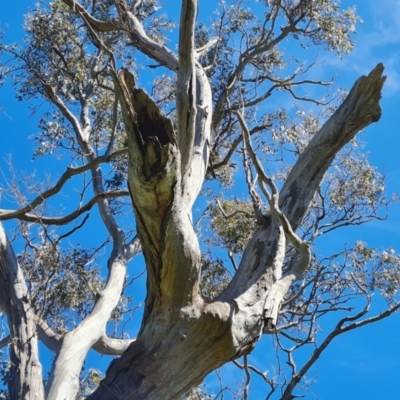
(64, 377)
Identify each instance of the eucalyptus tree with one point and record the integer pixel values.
(144, 160)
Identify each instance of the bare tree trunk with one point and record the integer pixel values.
(183, 337)
(25, 380)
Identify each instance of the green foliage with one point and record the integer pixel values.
(4, 376)
(329, 285)
(377, 271)
(215, 277)
(354, 182)
(235, 228)
(63, 283)
(199, 394)
(353, 193)
(89, 381)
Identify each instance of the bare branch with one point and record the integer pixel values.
(248, 378)
(140, 40)
(37, 219)
(339, 329)
(69, 173)
(47, 336)
(81, 133)
(132, 248)
(273, 197)
(256, 199)
(235, 143)
(203, 49)
(233, 213)
(112, 346)
(282, 284)
(244, 59)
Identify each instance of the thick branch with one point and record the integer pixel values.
(186, 84)
(64, 377)
(140, 40)
(105, 345)
(360, 108)
(259, 272)
(162, 208)
(132, 248)
(102, 26)
(111, 346)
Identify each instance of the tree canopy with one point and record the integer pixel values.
(196, 161)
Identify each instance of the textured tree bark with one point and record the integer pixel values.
(184, 337)
(26, 380)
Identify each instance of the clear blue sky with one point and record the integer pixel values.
(364, 364)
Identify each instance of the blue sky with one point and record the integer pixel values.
(363, 364)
